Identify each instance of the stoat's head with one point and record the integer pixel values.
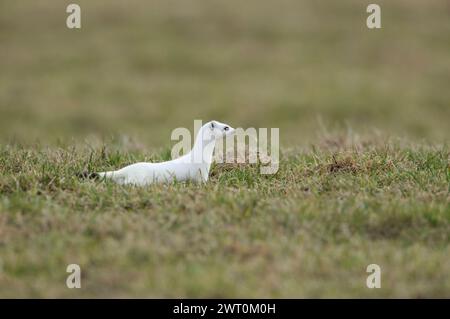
(218, 129)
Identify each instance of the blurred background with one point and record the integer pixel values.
(141, 68)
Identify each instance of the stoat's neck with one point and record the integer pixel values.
(203, 149)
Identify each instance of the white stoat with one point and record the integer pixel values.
(193, 166)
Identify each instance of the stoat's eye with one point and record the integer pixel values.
(226, 128)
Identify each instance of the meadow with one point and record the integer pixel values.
(364, 175)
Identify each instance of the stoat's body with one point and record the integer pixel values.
(193, 166)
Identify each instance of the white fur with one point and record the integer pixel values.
(193, 166)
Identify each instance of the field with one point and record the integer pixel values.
(364, 124)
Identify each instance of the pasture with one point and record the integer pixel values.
(364, 175)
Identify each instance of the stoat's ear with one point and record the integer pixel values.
(212, 125)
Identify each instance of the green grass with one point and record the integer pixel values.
(308, 231)
(364, 125)
(141, 69)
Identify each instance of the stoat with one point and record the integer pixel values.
(193, 166)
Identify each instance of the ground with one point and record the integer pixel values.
(308, 231)
(364, 175)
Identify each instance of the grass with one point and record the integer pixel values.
(308, 231)
(364, 174)
(140, 69)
